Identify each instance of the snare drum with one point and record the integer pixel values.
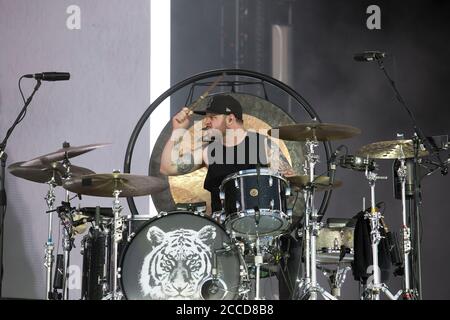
(173, 256)
(254, 203)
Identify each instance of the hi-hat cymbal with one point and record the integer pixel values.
(103, 185)
(43, 173)
(63, 153)
(321, 183)
(315, 131)
(394, 149)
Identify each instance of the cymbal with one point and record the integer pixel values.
(394, 149)
(103, 185)
(61, 154)
(315, 131)
(44, 172)
(322, 183)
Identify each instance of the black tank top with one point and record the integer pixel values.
(224, 161)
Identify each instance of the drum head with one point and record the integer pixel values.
(268, 224)
(172, 257)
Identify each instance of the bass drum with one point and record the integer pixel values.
(173, 257)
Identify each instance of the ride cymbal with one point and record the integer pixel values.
(394, 149)
(315, 131)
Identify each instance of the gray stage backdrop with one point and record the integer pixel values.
(108, 58)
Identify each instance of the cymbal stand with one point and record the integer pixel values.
(118, 234)
(308, 286)
(408, 293)
(49, 245)
(375, 286)
(67, 236)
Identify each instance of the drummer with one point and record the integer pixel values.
(224, 126)
(231, 148)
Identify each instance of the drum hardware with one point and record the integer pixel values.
(118, 232)
(308, 286)
(116, 185)
(254, 202)
(356, 163)
(336, 278)
(213, 284)
(258, 263)
(400, 151)
(312, 133)
(49, 245)
(53, 169)
(199, 207)
(373, 289)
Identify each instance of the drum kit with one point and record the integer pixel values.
(187, 254)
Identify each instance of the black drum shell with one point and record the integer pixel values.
(248, 190)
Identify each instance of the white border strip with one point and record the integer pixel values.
(159, 70)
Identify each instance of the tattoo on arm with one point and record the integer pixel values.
(185, 164)
(277, 160)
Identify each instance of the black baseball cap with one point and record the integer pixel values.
(223, 104)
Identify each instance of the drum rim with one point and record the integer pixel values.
(159, 216)
(252, 172)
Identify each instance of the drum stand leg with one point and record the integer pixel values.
(375, 286)
(308, 287)
(118, 234)
(49, 245)
(258, 263)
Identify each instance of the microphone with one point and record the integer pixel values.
(49, 76)
(368, 56)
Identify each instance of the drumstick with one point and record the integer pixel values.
(203, 95)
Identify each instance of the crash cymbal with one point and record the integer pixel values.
(394, 149)
(43, 173)
(103, 185)
(322, 183)
(315, 131)
(61, 154)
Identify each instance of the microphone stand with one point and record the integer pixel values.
(414, 216)
(3, 158)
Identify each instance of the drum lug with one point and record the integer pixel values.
(270, 181)
(272, 204)
(222, 195)
(238, 205)
(236, 183)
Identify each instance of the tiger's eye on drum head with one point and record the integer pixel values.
(171, 258)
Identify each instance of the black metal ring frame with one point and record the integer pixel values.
(215, 73)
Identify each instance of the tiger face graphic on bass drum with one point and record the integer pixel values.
(178, 263)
